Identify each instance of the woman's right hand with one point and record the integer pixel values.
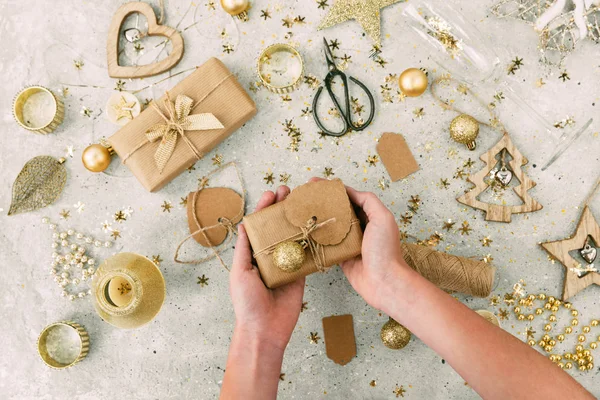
(380, 269)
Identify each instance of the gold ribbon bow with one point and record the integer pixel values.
(176, 123)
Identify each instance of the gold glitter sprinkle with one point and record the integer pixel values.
(530, 332)
(373, 383)
(228, 48)
(265, 14)
(287, 22)
(328, 172)
(441, 30)
(166, 206)
(399, 391)
(269, 179)
(217, 159)
(211, 5)
(448, 225)
(65, 214)
(120, 85)
(312, 81)
(322, 4)
(383, 183)
(509, 299)
(462, 88)
(465, 229)
(284, 178)
(503, 314)
(444, 183)
(494, 301)
(372, 160)
(459, 174)
(157, 260)
(540, 82)
(406, 218)
(202, 280)
(419, 112)
(115, 234)
(469, 164)
(78, 64)
(299, 20)
(334, 44)
(314, 338)
(183, 202)
(485, 242)
(564, 76)
(86, 112)
(120, 216)
(380, 61)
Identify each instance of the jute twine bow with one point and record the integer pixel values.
(222, 222)
(305, 236)
(176, 124)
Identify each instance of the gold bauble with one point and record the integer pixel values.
(236, 7)
(464, 129)
(96, 158)
(394, 335)
(289, 256)
(413, 82)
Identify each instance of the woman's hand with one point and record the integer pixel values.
(269, 315)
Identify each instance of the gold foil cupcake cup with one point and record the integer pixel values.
(48, 358)
(140, 298)
(44, 127)
(266, 55)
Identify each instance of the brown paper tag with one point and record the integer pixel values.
(340, 343)
(324, 200)
(212, 204)
(396, 156)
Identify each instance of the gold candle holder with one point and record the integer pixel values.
(280, 68)
(48, 103)
(53, 346)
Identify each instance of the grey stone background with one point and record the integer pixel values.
(182, 353)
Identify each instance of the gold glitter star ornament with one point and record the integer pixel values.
(122, 107)
(365, 12)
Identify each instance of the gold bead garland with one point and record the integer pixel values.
(581, 358)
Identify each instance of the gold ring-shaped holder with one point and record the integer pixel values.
(280, 68)
(51, 107)
(63, 334)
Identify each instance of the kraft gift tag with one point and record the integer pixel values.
(396, 156)
(340, 343)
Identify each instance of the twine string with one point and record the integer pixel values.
(223, 222)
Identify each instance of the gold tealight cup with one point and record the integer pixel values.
(38, 109)
(63, 344)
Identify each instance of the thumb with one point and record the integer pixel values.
(242, 257)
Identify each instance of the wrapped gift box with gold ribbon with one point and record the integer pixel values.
(190, 120)
(314, 228)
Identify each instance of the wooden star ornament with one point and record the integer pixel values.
(365, 12)
(587, 227)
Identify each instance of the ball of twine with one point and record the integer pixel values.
(450, 272)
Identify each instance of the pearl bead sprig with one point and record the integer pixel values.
(68, 256)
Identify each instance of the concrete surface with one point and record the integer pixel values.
(182, 353)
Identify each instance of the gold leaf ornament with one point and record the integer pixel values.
(39, 184)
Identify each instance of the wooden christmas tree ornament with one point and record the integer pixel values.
(496, 212)
(154, 29)
(586, 228)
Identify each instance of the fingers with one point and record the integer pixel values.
(242, 257)
(282, 193)
(370, 203)
(265, 200)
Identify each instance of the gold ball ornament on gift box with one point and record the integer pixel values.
(96, 158)
(413, 82)
(394, 335)
(464, 129)
(236, 8)
(289, 256)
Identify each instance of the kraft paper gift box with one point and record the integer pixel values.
(337, 240)
(213, 89)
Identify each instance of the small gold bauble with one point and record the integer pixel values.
(574, 322)
(548, 348)
(568, 365)
(464, 129)
(554, 308)
(579, 348)
(560, 337)
(590, 366)
(517, 310)
(394, 335)
(547, 327)
(236, 8)
(546, 338)
(531, 342)
(530, 317)
(289, 256)
(413, 82)
(574, 313)
(586, 329)
(593, 345)
(96, 158)
(581, 338)
(594, 322)
(521, 317)
(568, 330)
(552, 318)
(539, 311)
(542, 296)
(552, 342)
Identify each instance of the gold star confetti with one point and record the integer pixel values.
(79, 206)
(373, 160)
(211, 5)
(406, 218)
(284, 178)
(115, 234)
(124, 288)
(444, 183)
(137, 46)
(373, 383)
(124, 109)
(183, 202)
(322, 4)
(334, 44)
(346, 58)
(469, 164)
(328, 172)
(86, 112)
(462, 88)
(487, 259)
(227, 48)
(265, 14)
(106, 226)
(166, 206)
(269, 179)
(120, 216)
(530, 332)
(202, 281)
(287, 22)
(499, 96)
(306, 112)
(448, 225)
(380, 61)
(157, 260)
(312, 81)
(540, 82)
(314, 338)
(485, 242)
(65, 214)
(494, 301)
(78, 64)
(65, 91)
(515, 65)
(120, 85)
(518, 62)
(304, 306)
(399, 391)
(203, 182)
(217, 159)
(509, 299)
(415, 201)
(383, 183)
(503, 314)
(282, 376)
(286, 98)
(459, 174)
(419, 113)
(564, 76)
(465, 229)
